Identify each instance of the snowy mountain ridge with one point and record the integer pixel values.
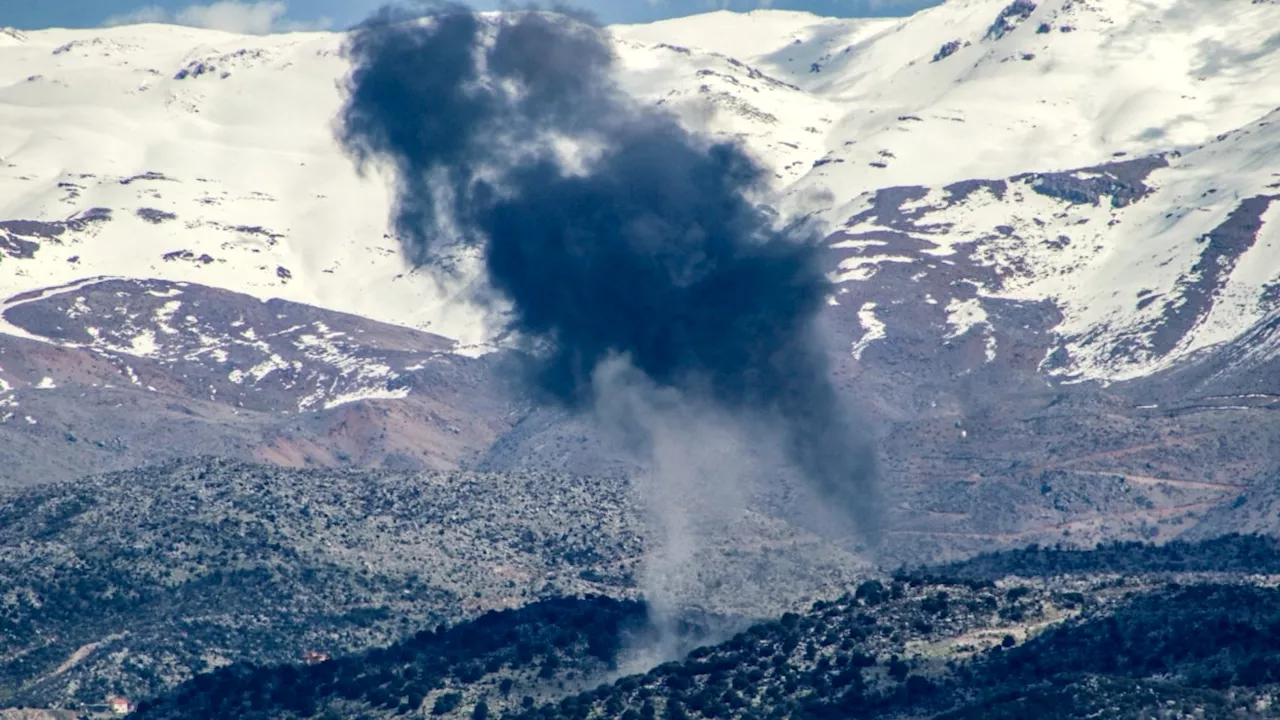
(948, 140)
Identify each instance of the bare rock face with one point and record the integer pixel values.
(21, 239)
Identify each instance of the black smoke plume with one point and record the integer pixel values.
(605, 228)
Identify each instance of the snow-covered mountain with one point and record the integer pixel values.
(200, 156)
(1022, 198)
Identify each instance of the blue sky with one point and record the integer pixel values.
(274, 15)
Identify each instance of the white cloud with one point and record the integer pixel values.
(252, 18)
(249, 18)
(149, 14)
(906, 6)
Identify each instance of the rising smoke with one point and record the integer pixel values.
(624, 251)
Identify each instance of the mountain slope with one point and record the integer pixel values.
(1124, 631)
(130, 582)
(239, 183)
(1056, 268)
(111, 373)
(994, 108)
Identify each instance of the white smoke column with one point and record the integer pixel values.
(694, 488)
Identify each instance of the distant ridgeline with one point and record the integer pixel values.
(1234, 553)
(1099, 633)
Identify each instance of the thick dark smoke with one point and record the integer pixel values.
(606, 229)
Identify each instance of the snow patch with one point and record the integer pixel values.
(872, 329)
(964, 315)
(863, 268)
(165, 314)
(144, 344)
(371, 394)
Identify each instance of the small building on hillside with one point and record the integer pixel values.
(313, 657)
(120, 706)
